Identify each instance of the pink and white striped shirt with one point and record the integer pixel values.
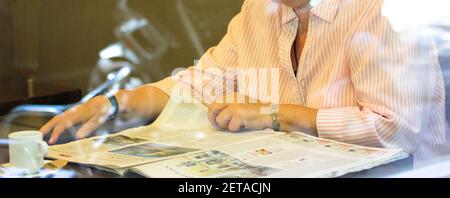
(372, 86)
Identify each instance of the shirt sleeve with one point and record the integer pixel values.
(208, 80)
(395, 78)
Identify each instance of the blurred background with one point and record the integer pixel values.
(59, 52)
(66, 36)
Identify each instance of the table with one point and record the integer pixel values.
(80, 171)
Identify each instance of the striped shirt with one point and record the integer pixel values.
(372, 85)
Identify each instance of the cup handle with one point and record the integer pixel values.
(43, 149)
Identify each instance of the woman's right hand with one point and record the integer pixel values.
(144, 102)
(90, 115)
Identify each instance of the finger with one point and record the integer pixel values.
(47, 128)
(224, 118)
(236, 124)
(58, 130)
(51, 124)
(213, 112)
(68, 122)
(90, 126)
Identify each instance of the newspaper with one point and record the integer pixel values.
(284, 155)
(182, 143)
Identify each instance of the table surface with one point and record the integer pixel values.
(81, 171)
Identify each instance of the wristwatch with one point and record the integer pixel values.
(275, 123)
(115, 107)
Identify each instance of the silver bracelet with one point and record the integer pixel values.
(275, 123)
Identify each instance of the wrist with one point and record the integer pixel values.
(307, 121)
(121, 96)
(297, 118)
(266, 121)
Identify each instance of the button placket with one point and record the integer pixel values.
(288, 35)
(303, 63)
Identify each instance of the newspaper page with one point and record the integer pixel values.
(121, 151)
(89, 146)
(112, 153)
(287, 155)
(192, 141)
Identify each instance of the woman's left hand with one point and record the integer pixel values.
(237, 117)
(248, 115)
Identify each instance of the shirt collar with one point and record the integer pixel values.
(325, 9)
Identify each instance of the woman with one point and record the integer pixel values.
(344, 74)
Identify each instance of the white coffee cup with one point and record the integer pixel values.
(27, 151)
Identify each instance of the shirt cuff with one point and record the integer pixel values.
(349, 125)
(165, 85)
